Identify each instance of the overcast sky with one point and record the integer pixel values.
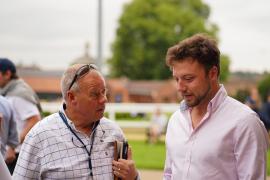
(52, 33)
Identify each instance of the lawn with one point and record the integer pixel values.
(152, 156)
(148, 156)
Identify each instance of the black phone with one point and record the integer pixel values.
(121, 150)
(125, 150)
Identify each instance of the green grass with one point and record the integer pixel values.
(148, 156)
(152, 156)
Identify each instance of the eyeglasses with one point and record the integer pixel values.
(82, 71)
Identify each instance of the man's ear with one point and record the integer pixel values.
(7, 75)
(71, 97)
(213, 73)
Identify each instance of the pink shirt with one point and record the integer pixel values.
(230, 143)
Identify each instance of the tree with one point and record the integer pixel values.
(148, 28)
(224, 68)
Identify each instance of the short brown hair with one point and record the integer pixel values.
(199, 47)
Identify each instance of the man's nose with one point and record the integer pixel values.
(181, 86)
(103, 98)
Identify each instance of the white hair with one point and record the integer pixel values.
(67, 78)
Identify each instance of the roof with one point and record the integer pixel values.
(144, 87)
(44, 84)
(42, 81)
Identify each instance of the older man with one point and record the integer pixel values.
(77, 141)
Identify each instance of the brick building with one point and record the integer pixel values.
(47, 86)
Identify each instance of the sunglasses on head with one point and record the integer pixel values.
(81, 72)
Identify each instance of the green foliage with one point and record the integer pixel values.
(148, 28)
(148, 156)
(224, 68)
(264, 87)
(130, 116)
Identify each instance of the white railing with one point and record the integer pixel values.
(113, 108)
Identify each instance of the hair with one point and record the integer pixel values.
(67, 78)
(7, 65)
(200, 48)
(66, 81)
(13, 75)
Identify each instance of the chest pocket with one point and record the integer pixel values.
(102, 152)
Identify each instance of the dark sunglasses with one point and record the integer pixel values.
(81, 72)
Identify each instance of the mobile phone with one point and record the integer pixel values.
(120, 150)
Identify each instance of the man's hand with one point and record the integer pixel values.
(10, 155)
(125, 169)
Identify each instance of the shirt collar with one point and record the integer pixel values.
(218, 98)
(213, 104)
(62, 109)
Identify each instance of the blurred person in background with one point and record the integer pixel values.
(157, 125)
(252, 104)
(253, 100)
(8, 133)
(211, 136)
(265, 112)
(4, 173)
(22, 98)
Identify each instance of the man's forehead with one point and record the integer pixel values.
(187, 68)
(93, 78)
